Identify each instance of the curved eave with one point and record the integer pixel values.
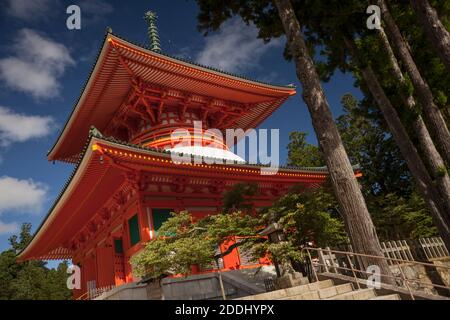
(110, 81)
(27, 253)
(52, 154)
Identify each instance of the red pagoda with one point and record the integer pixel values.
(125, 182)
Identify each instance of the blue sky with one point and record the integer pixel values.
(43, 67)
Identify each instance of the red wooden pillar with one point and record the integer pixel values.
(143, 219)
(119, 265)
(231, 260)
(128, 270)
(126, 248)
(89, 272)
(119, 269)
(129, 249)
(105, 265)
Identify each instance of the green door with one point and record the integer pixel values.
(159, 217)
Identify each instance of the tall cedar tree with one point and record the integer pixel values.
(433, 115)
(434, 28)
(429, 151)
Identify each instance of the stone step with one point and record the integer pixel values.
(335, 290)
(309, 287)
(387, 297)
(323, 293)
(298, 282)
(361, 294)
(284, 293)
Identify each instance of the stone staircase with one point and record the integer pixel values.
(322, 290)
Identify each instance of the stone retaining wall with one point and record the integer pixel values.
(426, 275)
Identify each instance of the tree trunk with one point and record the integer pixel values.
(436, 122)
(406, 147)
(435, 30)
(354, 210)
(430, 153)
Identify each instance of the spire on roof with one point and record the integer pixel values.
(151, 18)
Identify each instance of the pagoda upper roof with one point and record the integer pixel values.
(111, 79)
(94, 181)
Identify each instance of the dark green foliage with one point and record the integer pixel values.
(191, 242)
(397, 210)
(398, 217)
(308, 216)
(431, 67)
(239, 197)
(30, 280)
(369, 145)
(302, 154)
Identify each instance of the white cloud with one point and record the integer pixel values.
(37, 65)
(28, 10)
(235, 48)
(96, 8)
(16, 127)
(25, 196)
(8, 228)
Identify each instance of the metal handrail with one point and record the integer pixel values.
(351, 268)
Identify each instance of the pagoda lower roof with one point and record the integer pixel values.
(120, 61)
(100, 171)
